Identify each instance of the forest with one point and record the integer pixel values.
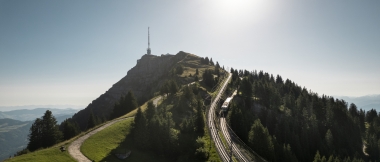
(298, 124)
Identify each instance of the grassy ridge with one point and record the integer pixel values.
(48, 155)
(101, 144)
(115, 139)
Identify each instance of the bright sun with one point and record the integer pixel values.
(236, 9)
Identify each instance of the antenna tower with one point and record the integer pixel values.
(148, 50)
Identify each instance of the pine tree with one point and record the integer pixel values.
(173, 87)
(216, 70)
(246, 88)
(211, 62)
(207, 61)
(260, 140)
(199, 119)
(69, 129)
(35, 135)
(44, 132)
(317, 157)
(91, 121)
(130, 103)
(150, 111)
(329, 139)
(50, 132)
(124, 106)
(208, 78)
(141, 132)
(196, 79)
(165, 89)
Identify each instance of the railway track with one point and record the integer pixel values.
(227, 136)
(224, 151)
(211, 123)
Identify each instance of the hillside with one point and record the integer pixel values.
(143, 80)
(13, 136)
(283, 121)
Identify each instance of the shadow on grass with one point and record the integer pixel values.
(136, 154)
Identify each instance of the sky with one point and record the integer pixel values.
(71, 52)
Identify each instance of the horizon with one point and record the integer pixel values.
(80, 107)
(32, 107)
(69, 53)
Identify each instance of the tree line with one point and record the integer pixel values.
(282, 121)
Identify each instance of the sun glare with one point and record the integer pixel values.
(236, 9)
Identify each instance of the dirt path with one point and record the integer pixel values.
(74, 148)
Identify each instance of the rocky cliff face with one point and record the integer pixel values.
(143, 80)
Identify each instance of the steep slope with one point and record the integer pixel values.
(143, 80)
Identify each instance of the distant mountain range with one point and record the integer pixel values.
(364, 102)
(10, 108)
(13, 136)
(30, 115)
(15, 125)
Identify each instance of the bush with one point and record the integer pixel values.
(201, 152)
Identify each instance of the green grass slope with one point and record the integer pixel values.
(45, 155)
(115, 139)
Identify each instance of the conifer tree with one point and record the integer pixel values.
(69, 129)
(141, 132)
(207, 61)
(260, 140)
(51, 134)
(125, 105)
(165, 89)
(200, 122)
(173, 87)
(35, 135)
(44, 132)
(91, 121)
(151, 110)
(211, 62)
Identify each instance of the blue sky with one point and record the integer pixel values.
(70, 52)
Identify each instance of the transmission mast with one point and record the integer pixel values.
(148, 51)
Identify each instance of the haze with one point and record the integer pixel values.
(70, 52)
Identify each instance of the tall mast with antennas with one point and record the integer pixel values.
(148, 51)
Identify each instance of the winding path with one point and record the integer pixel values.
(74, 147)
